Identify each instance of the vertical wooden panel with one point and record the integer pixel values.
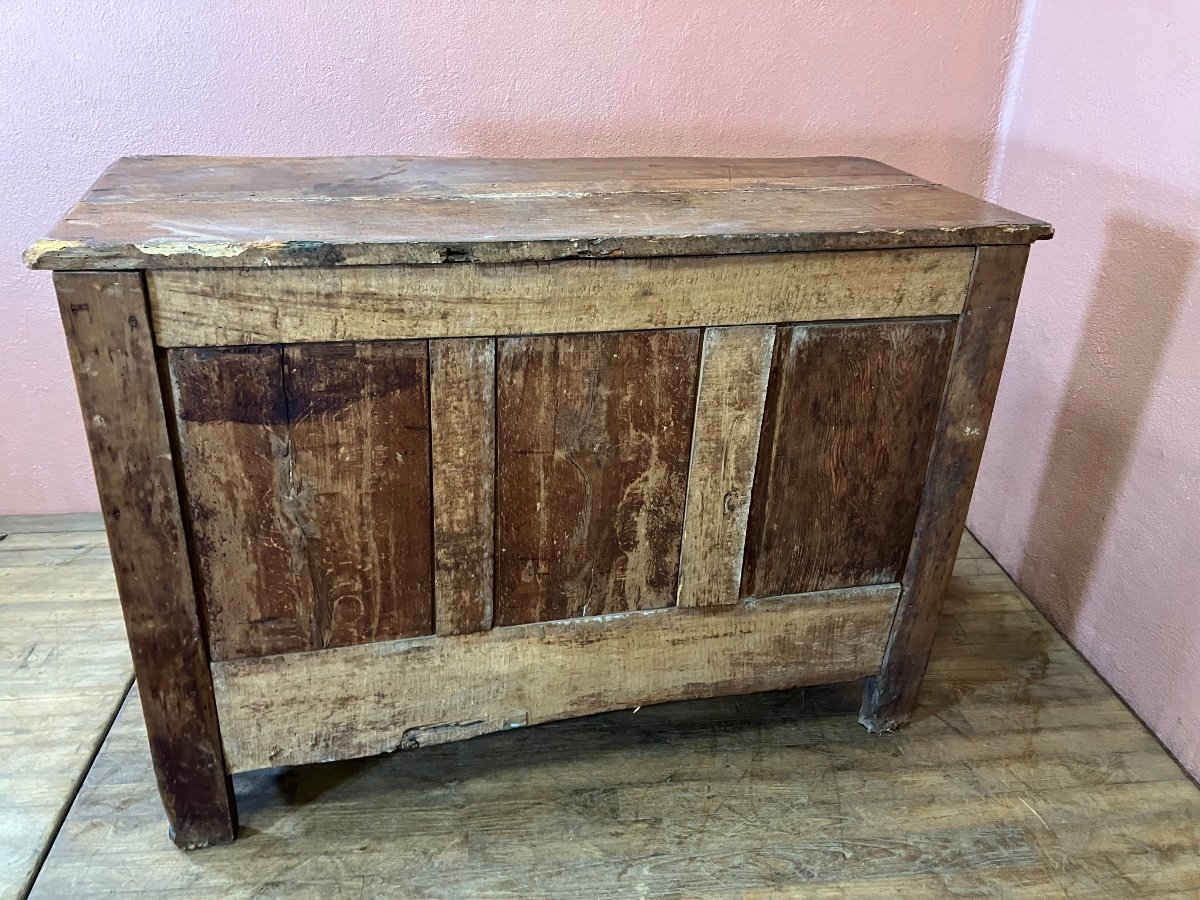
(846, 434)
(112, 355)
(247, 503)
(734, 367)
(307, 472)
(359, 418)
(462, 392)
(593, 436)
(980, 345)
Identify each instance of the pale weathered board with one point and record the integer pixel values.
(593, 435)
(462, 390)
(357, 701)
(308, 489)
(359, 421)
(200, 212)
(849, 421)
(734, 368)
(209, 307)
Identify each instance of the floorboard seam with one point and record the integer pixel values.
(76, 787)
(1195, 779)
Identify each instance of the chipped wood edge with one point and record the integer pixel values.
(735, 366)
(166, 253)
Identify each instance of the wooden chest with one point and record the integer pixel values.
(397, 451)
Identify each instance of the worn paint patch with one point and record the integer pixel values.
(214, 249)
(46, 247)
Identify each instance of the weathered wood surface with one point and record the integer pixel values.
(112, 354)
(1022, 776)
(593, 434)
(359, 423)
(202, 212)
(140, 178)
(462, 388)
(734, 368)
(244, 501)
(209, 307)
(846, 435)
(27, 524)
(308, 480)
(981, 342)
(358, 701)
(64, 672)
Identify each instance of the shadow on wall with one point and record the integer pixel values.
(1140, 286)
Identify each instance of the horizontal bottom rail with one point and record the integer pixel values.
(362, 700)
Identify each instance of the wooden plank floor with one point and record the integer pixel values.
(64, 671)
(1021, 776)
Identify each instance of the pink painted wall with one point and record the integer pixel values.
(918, 84)
(1090, 486)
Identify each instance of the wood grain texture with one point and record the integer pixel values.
(308, 479)
(735, 366)
(359, 701)
(359, 422)
(201, 212)
(112, 355)
(246, 503)
(213, 307)
(593, 435)
(980, 345)
(462, 392)
(64, 672)
(849, 421)
(156, 178)
(1022, 758)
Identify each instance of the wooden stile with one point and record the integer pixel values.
(112, 355)
(981, 342)
(462, 389)
(734, 369)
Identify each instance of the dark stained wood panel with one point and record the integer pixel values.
(846, 434)
(161, 212)
(359, 417)
(245, 501)
(593, 438)
(307, 472)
